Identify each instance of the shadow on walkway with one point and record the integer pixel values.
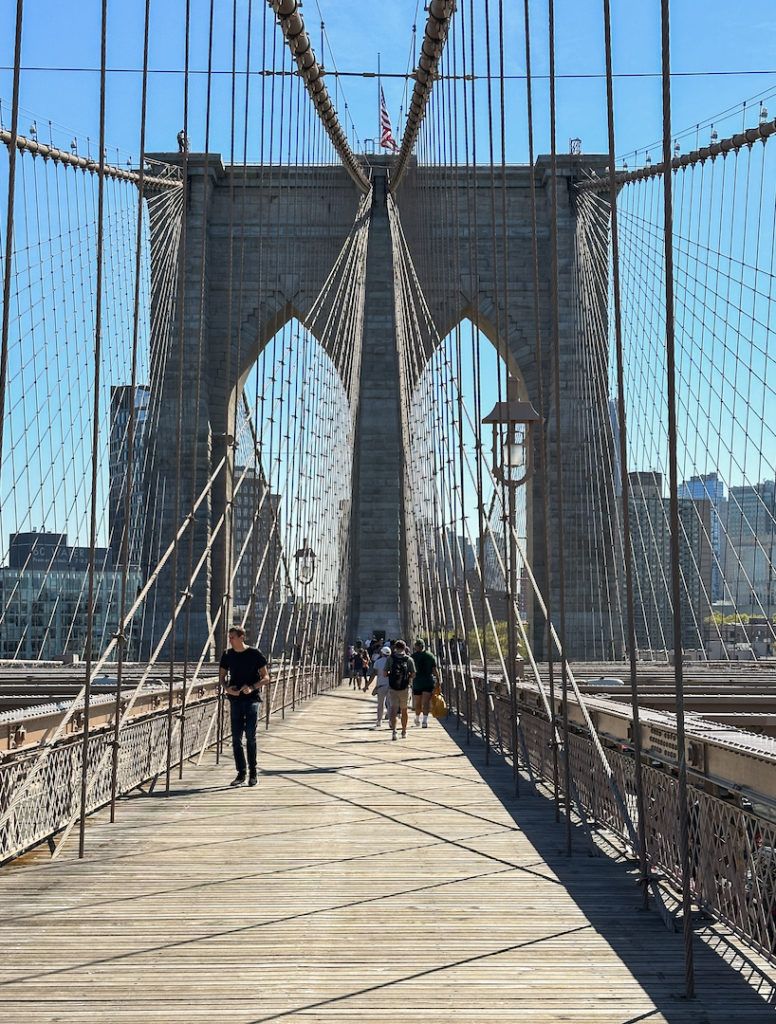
(724, 976)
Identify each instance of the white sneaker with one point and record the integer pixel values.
(376, 726)
(393, 735)
(417, 721)
(425, 723)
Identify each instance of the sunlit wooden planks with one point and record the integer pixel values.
(363, 880)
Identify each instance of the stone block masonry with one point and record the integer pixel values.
(290, 224)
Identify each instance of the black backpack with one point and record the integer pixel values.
(399, 675)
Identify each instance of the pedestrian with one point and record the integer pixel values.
(440, 644)
(364, 668)
(246, 668)
(401, 670)
(380, 673)
(463, 651)
(426, 678)
(356, 664)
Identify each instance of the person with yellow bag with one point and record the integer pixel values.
(438, 703)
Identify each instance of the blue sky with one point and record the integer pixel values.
(710, 35)
(707, 36)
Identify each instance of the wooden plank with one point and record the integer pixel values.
(363, 880)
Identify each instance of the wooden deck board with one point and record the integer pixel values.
(363, 880)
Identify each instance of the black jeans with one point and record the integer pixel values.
(245, 717)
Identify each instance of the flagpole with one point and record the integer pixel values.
(379, 102)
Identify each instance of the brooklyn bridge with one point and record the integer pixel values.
(464, 389)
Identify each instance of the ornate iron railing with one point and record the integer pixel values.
(52, 798)
(732, 849)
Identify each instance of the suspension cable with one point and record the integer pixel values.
(676, 582)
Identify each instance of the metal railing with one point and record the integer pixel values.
(52, 799)
(732, 849)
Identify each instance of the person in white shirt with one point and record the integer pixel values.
(381, 689)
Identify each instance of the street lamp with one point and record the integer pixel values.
(512, 422)
(305, 564)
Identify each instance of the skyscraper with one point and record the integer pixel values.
(651, 543)
(258, 571)
(44, 591)
(708, 487)
(750, 548)
(121, 398)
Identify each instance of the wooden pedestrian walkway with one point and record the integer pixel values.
(362, 881)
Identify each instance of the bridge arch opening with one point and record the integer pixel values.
(261, 329)
(465, 376)
(292, 485)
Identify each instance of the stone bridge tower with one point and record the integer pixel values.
(290, 223)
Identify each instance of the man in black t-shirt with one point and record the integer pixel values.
(248, 674)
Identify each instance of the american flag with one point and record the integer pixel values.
(386, 135)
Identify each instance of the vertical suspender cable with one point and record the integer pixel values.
(130, 437)
(95, 430)
(676, 582)
(558, 432)
(230, 442)
(485, 723)
(7, 269)
(502, 338)
(510, 547)
(197, 393)
(251, 617)
(540, 395)
(470, 235)
(180, 314)
(623, 443)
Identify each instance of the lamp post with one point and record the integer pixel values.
(512, 459)
(305, 571)
(305, 564)
(512, 422)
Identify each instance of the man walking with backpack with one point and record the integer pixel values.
(380, 673)
(401, 671)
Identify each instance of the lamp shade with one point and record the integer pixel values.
(513, 454)
(512, 412)
(305, 564)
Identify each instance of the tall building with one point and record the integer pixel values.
(651, 542)
(458, 555)
(614, 420)
(121, 399)
(696, 560)
(708, 487)
(43, 598)
(37, 549)
(258, 571)
(750, 548)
